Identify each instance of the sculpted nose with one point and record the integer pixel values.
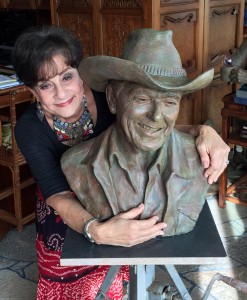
(157, 111)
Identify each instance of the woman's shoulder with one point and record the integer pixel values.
(28, 118)
(29, 124)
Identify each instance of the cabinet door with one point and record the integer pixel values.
(223, 31)
(186, 22)
(78, 17)
(101, 25)
(118, 19)
(212, 102)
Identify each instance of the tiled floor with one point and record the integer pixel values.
(18, 267)
(231, 223)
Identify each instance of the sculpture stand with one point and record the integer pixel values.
(200, 246)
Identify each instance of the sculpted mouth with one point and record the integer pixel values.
(148, 128)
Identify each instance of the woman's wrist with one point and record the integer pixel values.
(90, 229)
(85, 230)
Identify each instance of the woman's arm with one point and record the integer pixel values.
(212, 149)
(121, 230)
(41, 153)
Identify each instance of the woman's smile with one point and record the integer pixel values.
(66, 103)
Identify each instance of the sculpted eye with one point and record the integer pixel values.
(139, 99)
(171, 102)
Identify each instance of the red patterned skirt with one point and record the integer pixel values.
(73, 283)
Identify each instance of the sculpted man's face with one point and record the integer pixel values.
(146, 116)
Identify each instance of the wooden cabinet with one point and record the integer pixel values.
(25, 4)
(17, 188)
(231, 135)
(223, 32)
(204, 31)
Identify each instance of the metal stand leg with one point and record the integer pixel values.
(142, 276)
(178, 282)
(138, 283)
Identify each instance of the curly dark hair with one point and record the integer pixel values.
(35, 48)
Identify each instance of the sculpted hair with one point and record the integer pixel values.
(35, 48)
(118, 85)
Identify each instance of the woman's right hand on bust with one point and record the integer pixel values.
(124, 230)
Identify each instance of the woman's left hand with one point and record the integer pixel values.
(213, 152)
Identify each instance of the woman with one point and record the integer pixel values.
(68, 112)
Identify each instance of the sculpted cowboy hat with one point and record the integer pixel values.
(149, 58)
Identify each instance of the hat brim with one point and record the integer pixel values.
(97, 70)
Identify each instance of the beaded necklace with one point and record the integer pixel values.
(77, 132)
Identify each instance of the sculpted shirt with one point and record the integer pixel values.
(107, 182)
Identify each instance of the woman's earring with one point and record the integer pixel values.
(40, 113)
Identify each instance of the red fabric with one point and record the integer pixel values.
(61, 283)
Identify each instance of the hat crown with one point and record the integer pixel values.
(154, 51)
(150, 59)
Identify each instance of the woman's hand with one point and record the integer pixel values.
(213, 152)
(124, 230)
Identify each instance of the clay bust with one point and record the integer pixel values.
(141, 158)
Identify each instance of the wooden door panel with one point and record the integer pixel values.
(222, 34)
(184, 26)
(171, 2)
(115, 31)
(185, 116)
(82, 26)
(118, 19)
(212, 102)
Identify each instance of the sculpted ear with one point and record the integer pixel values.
(111, 99)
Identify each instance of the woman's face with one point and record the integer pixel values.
(62, 94)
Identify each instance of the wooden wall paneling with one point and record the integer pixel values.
(54, 14)
(43, 4)
(213, 103)
(21, 4)
(186, 110)
(119, 18)
(223, 32)
(176, 2)
(97, 30)
(25, 4)
(151, 14)
(186, 22)
(77, 16)
(3, 3)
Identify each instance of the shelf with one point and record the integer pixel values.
(12, 103)
(235, 139)
(10, 191)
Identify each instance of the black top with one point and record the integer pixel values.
(42, 151)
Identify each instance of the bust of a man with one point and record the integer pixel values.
(141, 158)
